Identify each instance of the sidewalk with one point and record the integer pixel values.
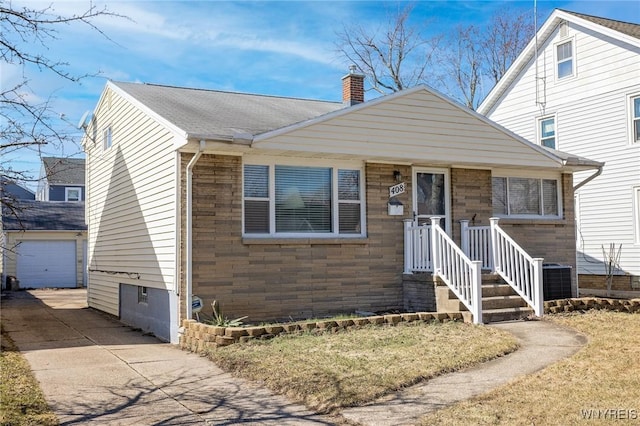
(541, 344)
(93, 369)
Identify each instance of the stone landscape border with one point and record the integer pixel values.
(199, 337)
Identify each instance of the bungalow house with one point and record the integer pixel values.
(61, 179)
(576, 88)
(293, 208)
(43, 244)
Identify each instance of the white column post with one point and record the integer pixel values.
(497, 265)
(476, 291)
(464, 236)
(408, 246)
(538, 301)
(435, 251)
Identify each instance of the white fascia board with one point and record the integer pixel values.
(178, 132)
(528, 52)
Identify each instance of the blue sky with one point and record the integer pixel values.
(276, 48)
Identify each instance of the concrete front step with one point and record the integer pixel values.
(499, 301)
(506, 314)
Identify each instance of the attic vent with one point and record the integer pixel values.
(564, 29)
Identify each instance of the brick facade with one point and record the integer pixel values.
(304, 278)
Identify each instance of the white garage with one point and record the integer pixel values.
(46, 264)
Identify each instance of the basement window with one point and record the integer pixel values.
(143, 296)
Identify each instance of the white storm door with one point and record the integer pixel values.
(431, 195)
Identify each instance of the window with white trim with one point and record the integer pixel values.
(106, 138)
(526, 197)
(635, 119)
(72, 194)
(547, 131)
(564, 59)
(291, 200)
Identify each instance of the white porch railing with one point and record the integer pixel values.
(417, 247)
(475, 241)
(517, 268)
(459, 273)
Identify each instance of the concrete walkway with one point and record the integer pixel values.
(93, 369)
(541, 344)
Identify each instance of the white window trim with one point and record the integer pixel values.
(503, 173)
(106, 129)
(574, 67)
(304, 162)
(630, 117)
(72, 188)
(636, 214)
(539, 129)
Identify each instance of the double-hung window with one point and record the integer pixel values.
(547, 132)
(526, 197)
(72, 194)
(290, 200)
(565, 59)
(635, 119)
(106, 138)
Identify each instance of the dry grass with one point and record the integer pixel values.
(329, 371)
(605, 375)
(21, 400)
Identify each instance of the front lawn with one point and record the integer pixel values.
(332, 370)
(598, 385)
(21, 400)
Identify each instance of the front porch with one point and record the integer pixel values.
(483, 249)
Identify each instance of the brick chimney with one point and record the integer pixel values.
(352, 87)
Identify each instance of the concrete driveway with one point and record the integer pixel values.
(93, 369)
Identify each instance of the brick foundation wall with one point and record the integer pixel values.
(618, 283)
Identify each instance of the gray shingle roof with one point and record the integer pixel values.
(622, 27)
(27, 215)
(212, 114)
(64, 171)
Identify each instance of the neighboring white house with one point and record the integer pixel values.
(576, 88)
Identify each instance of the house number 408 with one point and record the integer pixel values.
(396, 189)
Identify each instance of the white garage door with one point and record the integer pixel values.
(46, 264)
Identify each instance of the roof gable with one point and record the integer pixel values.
(414, 125)
(622, 31)
(64, 171)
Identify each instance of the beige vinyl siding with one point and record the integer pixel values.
(132, 203)
(592, 121)
(416, 127)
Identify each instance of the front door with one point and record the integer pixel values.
(431, 195)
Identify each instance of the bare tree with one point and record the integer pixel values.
(507, 34)
(397, 55)
(463, 64)
(27, 123)
(394, 56)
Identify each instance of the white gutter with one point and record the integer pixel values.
(189, 229)
(589, 179)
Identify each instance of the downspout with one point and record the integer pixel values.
(589, 179)
(189, 230)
